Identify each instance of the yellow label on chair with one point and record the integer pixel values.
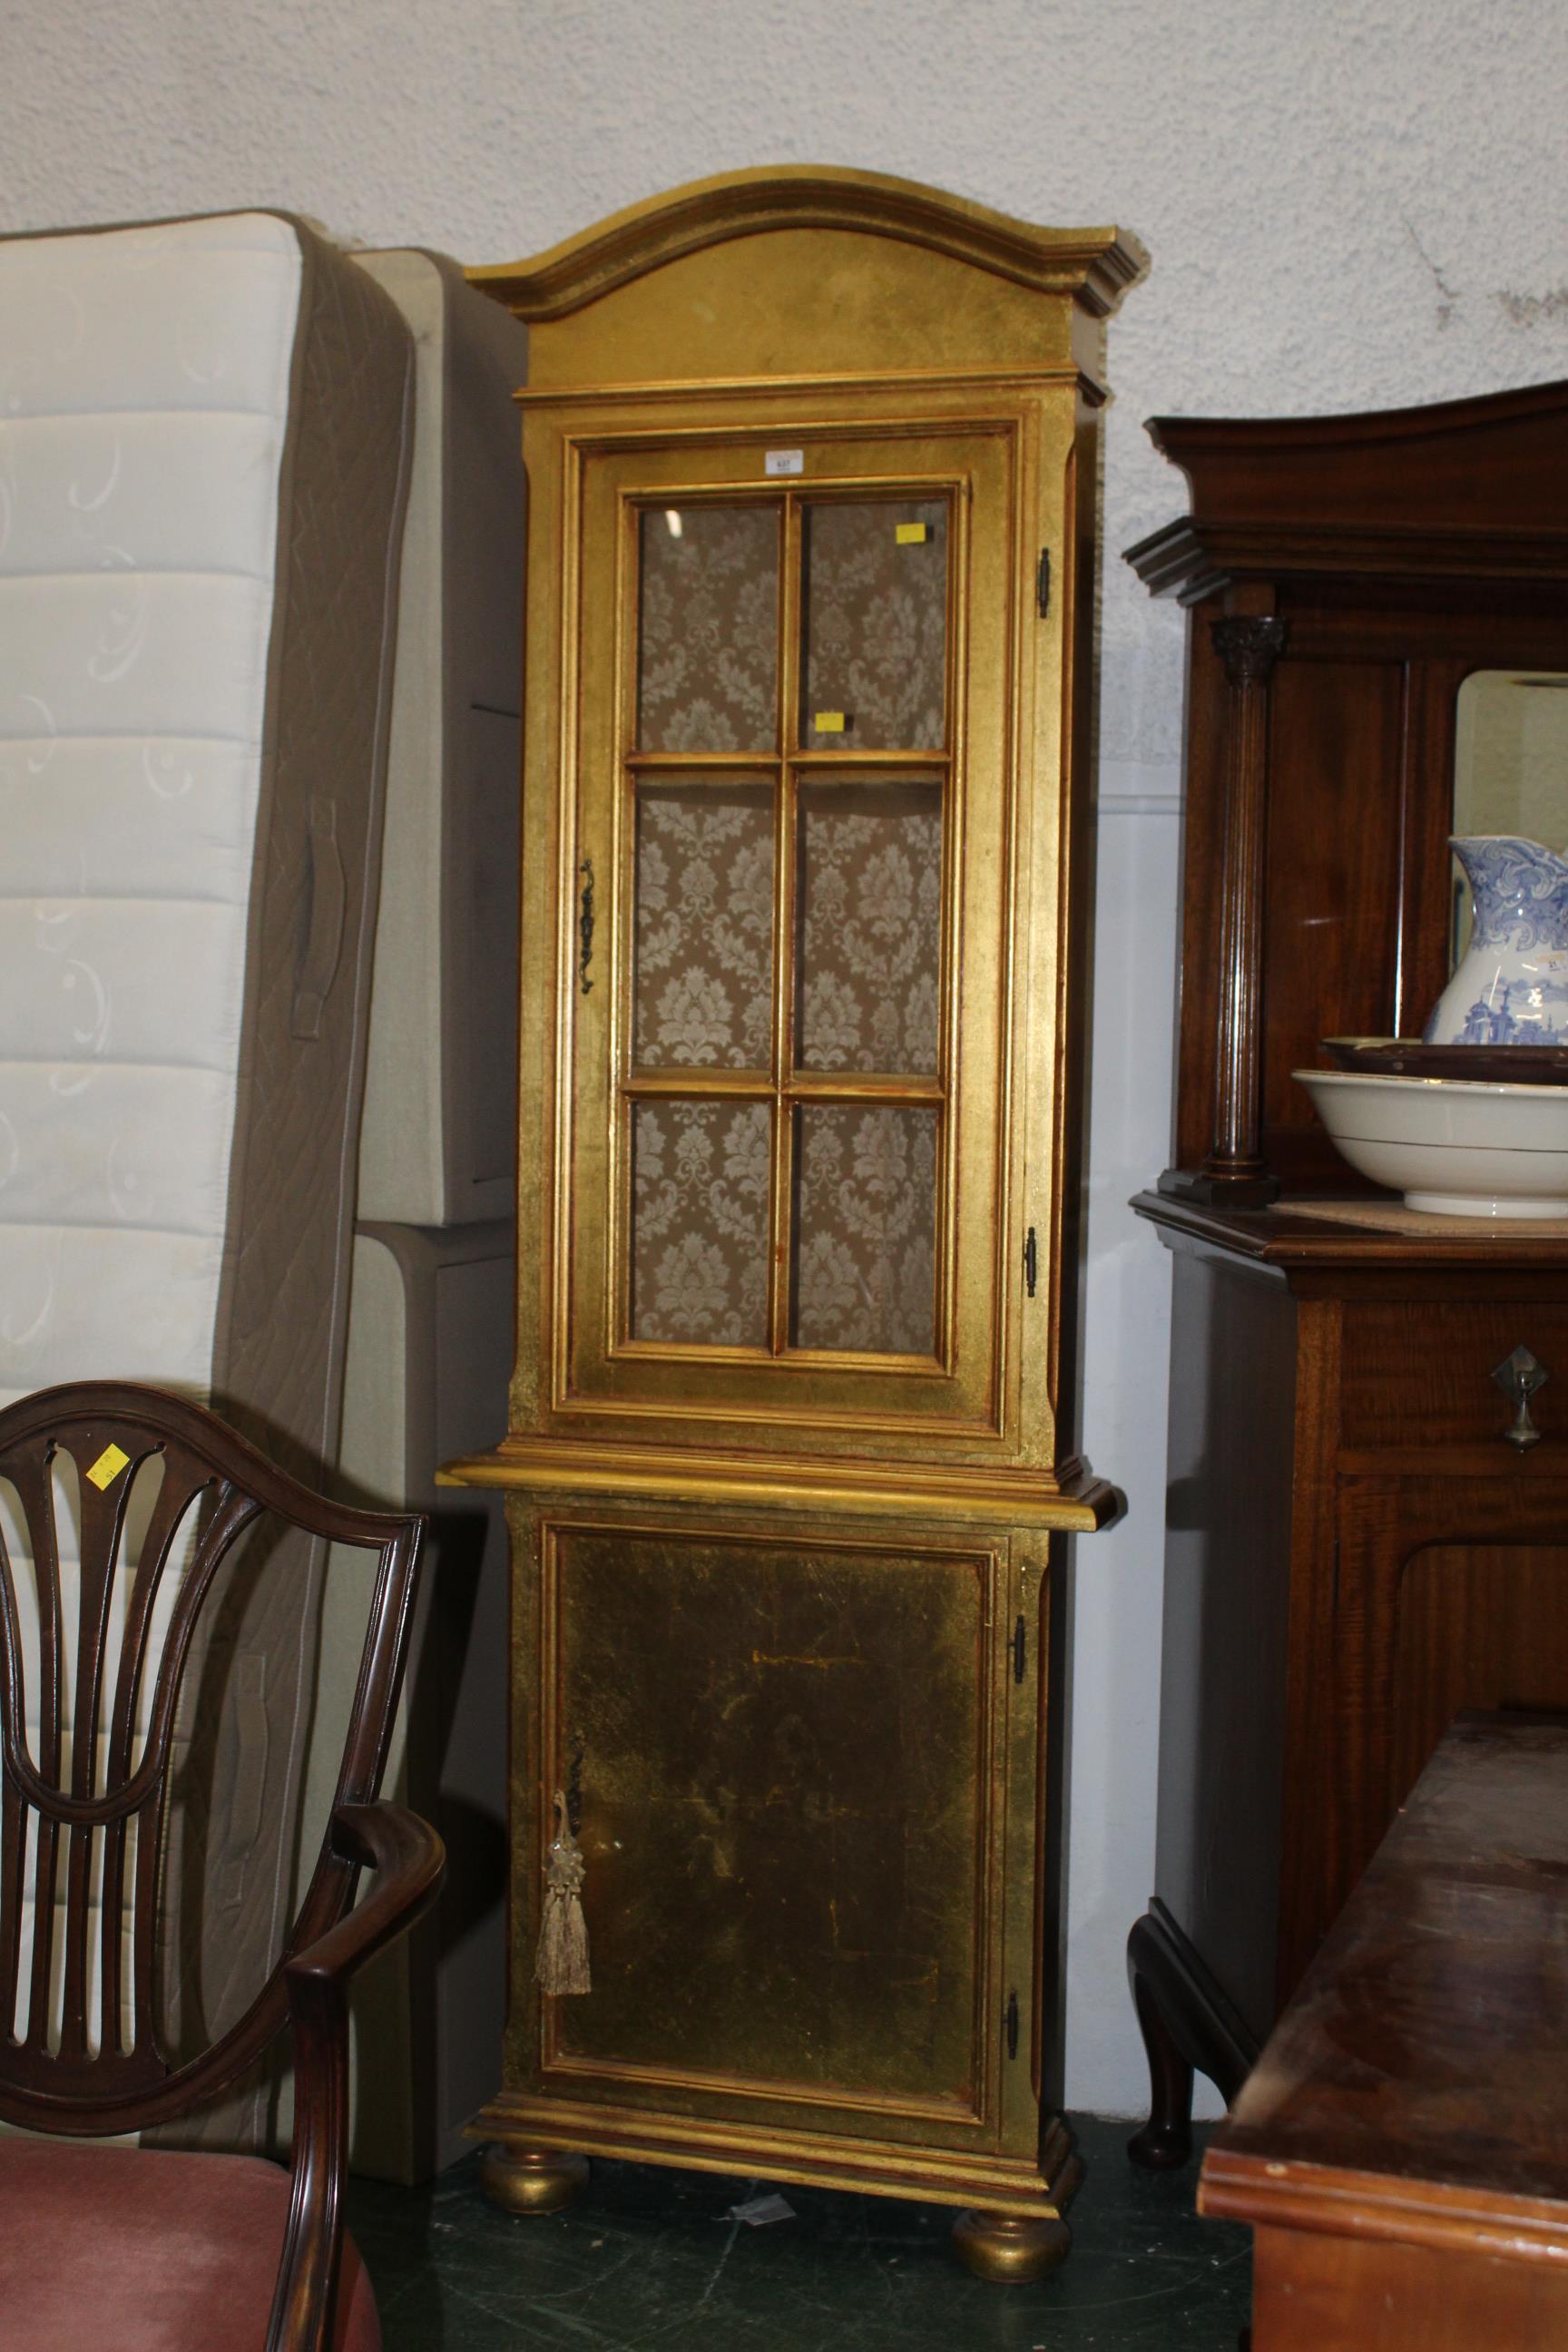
(909, 534)
(830, 723)
(107, 1466)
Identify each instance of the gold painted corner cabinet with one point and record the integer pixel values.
(812, 463)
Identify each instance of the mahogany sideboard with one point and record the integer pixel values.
(1354, 1548)
(1355, 1551)
(1400, 2149)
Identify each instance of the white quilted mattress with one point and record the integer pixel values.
(144, 384)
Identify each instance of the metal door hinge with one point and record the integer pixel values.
(574, 1783)
(1031, 1261)
(1043, 584)
(1020, 1649)
(585, 924)
(1012, 2025)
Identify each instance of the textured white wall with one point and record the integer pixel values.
(1354, 203)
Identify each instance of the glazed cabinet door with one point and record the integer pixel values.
(802, 1769)
(791, 895)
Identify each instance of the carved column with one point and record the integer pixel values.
(1248, 644)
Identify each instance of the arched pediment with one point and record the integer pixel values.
(1094, 265)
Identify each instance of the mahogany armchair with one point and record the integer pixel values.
(162, 2250)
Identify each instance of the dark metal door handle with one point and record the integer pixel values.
(1518, 1375)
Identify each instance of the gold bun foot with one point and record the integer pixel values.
(1011, 2248)
(531, 2180)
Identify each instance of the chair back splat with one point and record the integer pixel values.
(118, 1507)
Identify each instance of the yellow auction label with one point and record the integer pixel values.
(909, 534)
(107, 1466)
(830, 723)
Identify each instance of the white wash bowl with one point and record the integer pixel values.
(1454, 1147)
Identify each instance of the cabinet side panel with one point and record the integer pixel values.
(1227, 1556)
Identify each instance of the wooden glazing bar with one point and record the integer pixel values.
(780, 1202)
(699, 1084)
(864, 1086)
(749, 765)
(869, 763)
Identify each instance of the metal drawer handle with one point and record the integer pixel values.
(1519, 1377)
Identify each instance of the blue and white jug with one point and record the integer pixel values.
(1512, 988)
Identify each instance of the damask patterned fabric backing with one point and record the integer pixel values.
(869, 943)
(703, 989)
(708, 648)
(866, 1220)
(875, 625)
(870, 925)
(700, 1223)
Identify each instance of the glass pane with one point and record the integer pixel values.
(875, 595)
(704, 896)
(869, 925)
(700, 1223)
(707, 629)
(865, 1229)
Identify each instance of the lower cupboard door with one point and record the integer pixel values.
(786, 1759)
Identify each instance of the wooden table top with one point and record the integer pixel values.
(1416, 2087)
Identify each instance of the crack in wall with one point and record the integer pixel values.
(1449, 296)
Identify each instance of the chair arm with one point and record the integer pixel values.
(408, 1859)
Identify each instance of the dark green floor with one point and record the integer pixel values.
(649, 2258)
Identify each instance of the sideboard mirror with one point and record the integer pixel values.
(1510, 767)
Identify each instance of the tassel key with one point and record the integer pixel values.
(561, 1963)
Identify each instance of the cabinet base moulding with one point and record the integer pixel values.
(534, 2133)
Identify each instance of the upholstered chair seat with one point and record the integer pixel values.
(149, 2252)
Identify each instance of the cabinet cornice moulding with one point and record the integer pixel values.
(1193, 559)
(1184, 438)
(1075, 1501)
(1454, 488)
(1095, 265)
